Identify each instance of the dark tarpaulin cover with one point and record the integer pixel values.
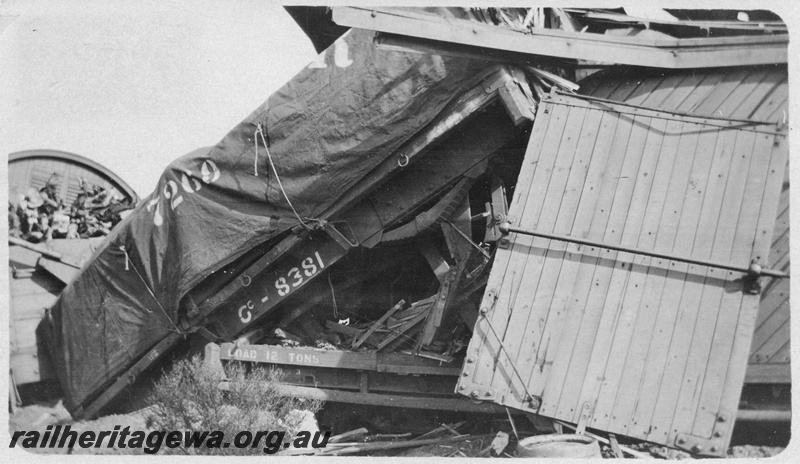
(328, 127)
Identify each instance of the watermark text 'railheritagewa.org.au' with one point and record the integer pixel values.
(151, 442)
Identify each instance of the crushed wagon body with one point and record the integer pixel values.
(552, 251)
(322, 142)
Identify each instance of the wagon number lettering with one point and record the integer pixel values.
(297, 275)
(294, 278)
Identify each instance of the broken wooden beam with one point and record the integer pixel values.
(403, 329)
(392, 436)
(357, 342)
(612, 441)
(442, 428)
(348, 331)
(557, 80)
(351, 433)
(401, 26)
(371, 447)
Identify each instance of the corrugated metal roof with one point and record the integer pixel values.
(760, 93)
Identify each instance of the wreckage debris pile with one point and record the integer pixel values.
(41, 215)
(444, 440)
(398, 330)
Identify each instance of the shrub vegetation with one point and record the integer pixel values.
(189, 397)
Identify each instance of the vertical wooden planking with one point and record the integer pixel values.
(757, 94)
(678, 352)
(605, 296)
(766, 110)
(485, 348)
(611, 88)
(665, 90)
(746, 98)
(585, 279)
(609, 328)
(699, 93)
(523, 333)
(69, 175)
(564, 293)
(757, 242)
(779, 250)
(783, 354)
(720, 92)
(770, 315)
(644, 91)
(532, 200)
(558, 258)
(764, 343)
(687, 88)
(624, 282)
(708, 304)
(648, 365)
(745, 214)
(604, 88)
(750, 83)
(776, 191)
(590, 84)
(654, 156)
(775, 292)
(631, 364)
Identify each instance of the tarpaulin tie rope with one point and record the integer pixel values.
(255, 156)
(127, 259)
(260, 131)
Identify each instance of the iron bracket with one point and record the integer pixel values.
(712, 446)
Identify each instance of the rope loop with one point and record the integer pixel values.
(260, 132)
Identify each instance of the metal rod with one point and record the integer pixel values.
(753, 122)
(508, 355)
(754, 269)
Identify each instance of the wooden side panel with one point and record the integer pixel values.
(771, 334)
(646, 347)
(29, 297)
(757, 93)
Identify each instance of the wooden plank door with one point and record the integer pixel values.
(646, 347)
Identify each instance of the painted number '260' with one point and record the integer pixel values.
(209, 173)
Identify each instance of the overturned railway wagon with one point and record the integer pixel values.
(39, 273)
(436, 223)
